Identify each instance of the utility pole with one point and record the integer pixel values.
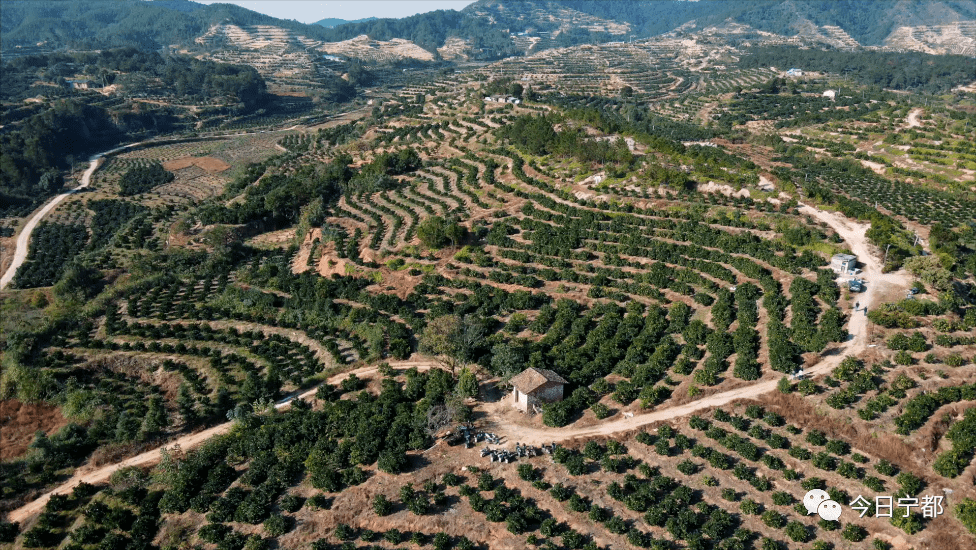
(885, 262)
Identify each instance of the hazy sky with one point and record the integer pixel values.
(310, 11)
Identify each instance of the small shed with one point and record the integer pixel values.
(842, 263)
(794, 72)
(830, 94)
(533, 386)
(81, 84)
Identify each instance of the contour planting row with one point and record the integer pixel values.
(292, 360)
(830, 461)
(171, 300)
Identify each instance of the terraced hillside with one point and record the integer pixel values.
(666, 270)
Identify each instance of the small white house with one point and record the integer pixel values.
(843, 263)
(534, 386)
(794, 72)
(832, 94)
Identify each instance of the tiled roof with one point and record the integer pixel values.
(532, 379)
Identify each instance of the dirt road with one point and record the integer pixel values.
(912, 120)
(185, 443)
(24, 238)
(855, 235)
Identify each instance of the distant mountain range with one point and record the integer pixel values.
(85, 24)
(331, 22)
(491, 29)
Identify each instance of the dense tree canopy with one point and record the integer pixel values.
(895, 70)
(140, 179)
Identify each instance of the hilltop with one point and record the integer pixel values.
(331, 22)
(493, 29)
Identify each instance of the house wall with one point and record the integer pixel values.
(842, 265)
(520, 400)
(549, 393)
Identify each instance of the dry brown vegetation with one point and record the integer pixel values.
(20, 421)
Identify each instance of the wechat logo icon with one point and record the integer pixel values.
(818, 502)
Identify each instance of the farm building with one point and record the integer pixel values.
(501, 99)
(794, 72)
(832, 94)
(842, 263)
(82, 84)
(534, 386)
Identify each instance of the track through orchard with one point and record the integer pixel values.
(20, 254)
(23, 239)
(185, 443)
(852, 232)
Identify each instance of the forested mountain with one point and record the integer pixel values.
(330, 22)
(112, 23)
(867, 21)
(45, 138)
(894, 70)
(490, 27)
(178, 75)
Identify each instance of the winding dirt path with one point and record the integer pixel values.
(855, 235)
(187, 442)
(24, 238)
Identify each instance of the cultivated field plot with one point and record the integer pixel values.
(163, 153)
(201, 169)
(596, 69)
(241, 150)
(191, 184)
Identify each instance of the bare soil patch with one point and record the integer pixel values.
(877, 167)
(799, 411)
(20, 421)
(273, 239)
(727, 190)
(210, 164)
